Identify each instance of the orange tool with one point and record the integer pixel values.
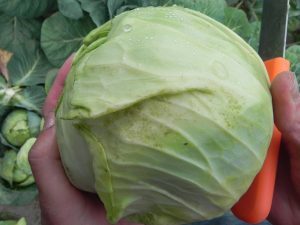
(255, 205)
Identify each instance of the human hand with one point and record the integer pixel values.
(60, 202)
(286, 101)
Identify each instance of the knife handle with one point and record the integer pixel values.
(255, 205)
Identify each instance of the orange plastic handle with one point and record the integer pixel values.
(255, 205)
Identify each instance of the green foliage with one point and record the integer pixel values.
(97, 10)
(29, 67)
(28, 8)
(293, 55)
(17, 195)
(236, 20)
(214, 9)
(62, 36)
(50, 77)
(16, 32)
(70, 8)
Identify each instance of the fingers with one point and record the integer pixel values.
(286, 100)
(59, 200)
(46, 166)
(54, 93)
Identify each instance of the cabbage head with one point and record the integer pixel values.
(166, 114)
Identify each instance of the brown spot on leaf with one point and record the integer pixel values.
(5, 56)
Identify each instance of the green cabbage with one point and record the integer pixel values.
(20, 125)
(166, 114)
(15, 167)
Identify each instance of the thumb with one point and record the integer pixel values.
(286, 103)
(286, 100)
(46, 165)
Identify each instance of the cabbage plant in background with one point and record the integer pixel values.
(19, 126)
(166, 114)
(15, 168)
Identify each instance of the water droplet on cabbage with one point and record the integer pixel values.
(127, 28)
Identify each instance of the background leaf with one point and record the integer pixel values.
(16, 32)
(62, 36)
(293, 55)
(3, 83)
(232, 2)
(237, 21)
(295, 4)
(3, 111)
(7, 145)
(213, 9)
(29, 67)
(97, 10)
(70, 8)
(18, 196)
(113, 5)
(253, 38)
(125, 8)
(30, 98)
(26, 8)
(50, 79)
